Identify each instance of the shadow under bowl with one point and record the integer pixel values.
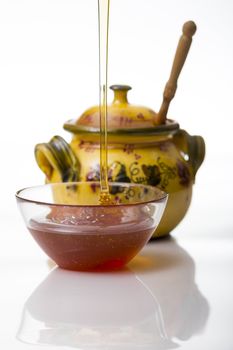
(78, 233)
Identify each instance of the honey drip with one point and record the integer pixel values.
(103, 21)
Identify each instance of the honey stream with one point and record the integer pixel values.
(103, 22)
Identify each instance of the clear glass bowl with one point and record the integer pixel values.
(78, 233)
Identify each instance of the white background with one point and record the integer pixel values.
(49, 73)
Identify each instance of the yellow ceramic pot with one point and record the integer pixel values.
(139, 151)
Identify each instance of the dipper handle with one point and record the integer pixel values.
(189, 29)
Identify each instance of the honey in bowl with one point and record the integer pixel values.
(82, 249)
(87, 236)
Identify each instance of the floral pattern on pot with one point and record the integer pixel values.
(152, 173)
(159, 174)
(183, 173)
(116, 172)
(168, 173)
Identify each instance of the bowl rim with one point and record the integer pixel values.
(160, 195)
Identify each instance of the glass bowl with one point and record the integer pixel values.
(78, 233)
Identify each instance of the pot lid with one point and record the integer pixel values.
(122, 116)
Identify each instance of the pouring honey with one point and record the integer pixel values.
(103, 21)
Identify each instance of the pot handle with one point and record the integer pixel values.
(193, 147)
(56, 155)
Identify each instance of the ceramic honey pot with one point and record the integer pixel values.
(143, 146)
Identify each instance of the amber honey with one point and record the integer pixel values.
(90, 238)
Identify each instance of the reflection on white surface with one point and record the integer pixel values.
(154, 303)
(169, 271)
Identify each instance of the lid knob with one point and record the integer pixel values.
(120, 93)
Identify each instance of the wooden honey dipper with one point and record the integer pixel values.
(189, 29)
